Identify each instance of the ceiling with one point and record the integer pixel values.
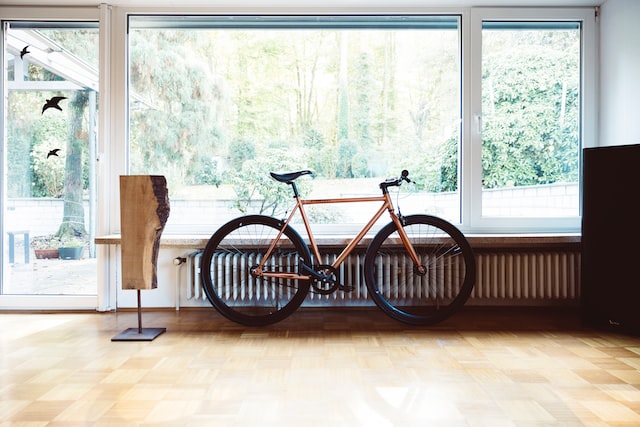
(297, 4)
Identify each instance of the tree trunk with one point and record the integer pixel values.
(73, 216)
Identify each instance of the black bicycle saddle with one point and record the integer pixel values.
(289, 177)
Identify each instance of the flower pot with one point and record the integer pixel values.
(71, 252)
(46, 253)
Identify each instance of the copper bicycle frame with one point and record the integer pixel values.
(387, 205)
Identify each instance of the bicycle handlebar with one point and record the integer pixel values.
(395, 182)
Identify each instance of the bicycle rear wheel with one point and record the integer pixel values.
(405, 294)
(226, 266)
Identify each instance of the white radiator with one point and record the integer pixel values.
(526, 278)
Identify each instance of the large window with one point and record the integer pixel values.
(218, 102)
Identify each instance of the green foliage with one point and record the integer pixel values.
(19, 139)
(48, 173)
(322, 157)
(313, 139)
(346, 152)
(240, 151)
(48, 132)
(204, 172)
(178, 124)
(448, 170)
(363, 84)
(530, 134)
(360, 164)
(49, 241)
(255, 189)
(30, 135)
(323, 214)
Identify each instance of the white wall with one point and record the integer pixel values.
(619, 73)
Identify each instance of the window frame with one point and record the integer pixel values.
(451, 20)
(470, 170)
(472, 193)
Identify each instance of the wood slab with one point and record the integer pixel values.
(144, 210)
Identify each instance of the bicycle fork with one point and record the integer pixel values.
(397, 219)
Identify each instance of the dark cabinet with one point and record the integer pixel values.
(610, 288)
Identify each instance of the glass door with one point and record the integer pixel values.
(50, 122)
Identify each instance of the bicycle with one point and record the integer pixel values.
(419, 269)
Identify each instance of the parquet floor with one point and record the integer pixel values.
(338, 367)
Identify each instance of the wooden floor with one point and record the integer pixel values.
(338, 367)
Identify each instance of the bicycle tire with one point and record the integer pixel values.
(396, 286)
(226, 271)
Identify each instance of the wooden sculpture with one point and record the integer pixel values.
(144, 210)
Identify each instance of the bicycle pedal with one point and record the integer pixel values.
(346, 288)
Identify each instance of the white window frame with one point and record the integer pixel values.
(319, 229)
(473, 221)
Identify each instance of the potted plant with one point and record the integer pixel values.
(71, 247)
(46, 247)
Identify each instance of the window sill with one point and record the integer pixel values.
(478, 241)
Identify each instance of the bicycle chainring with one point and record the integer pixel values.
(325, 279)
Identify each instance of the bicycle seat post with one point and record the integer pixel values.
(296, 194)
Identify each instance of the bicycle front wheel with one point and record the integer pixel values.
(226, 271)
(420, 296)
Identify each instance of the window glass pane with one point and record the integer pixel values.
(530, 119)
(216, 104)
(52, 81)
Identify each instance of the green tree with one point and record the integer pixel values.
(175, 129)
(531, 105)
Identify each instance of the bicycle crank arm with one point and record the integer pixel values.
(311, 272)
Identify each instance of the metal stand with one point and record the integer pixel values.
(139, 333)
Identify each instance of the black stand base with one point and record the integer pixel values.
(139, 333)
(135, 334)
